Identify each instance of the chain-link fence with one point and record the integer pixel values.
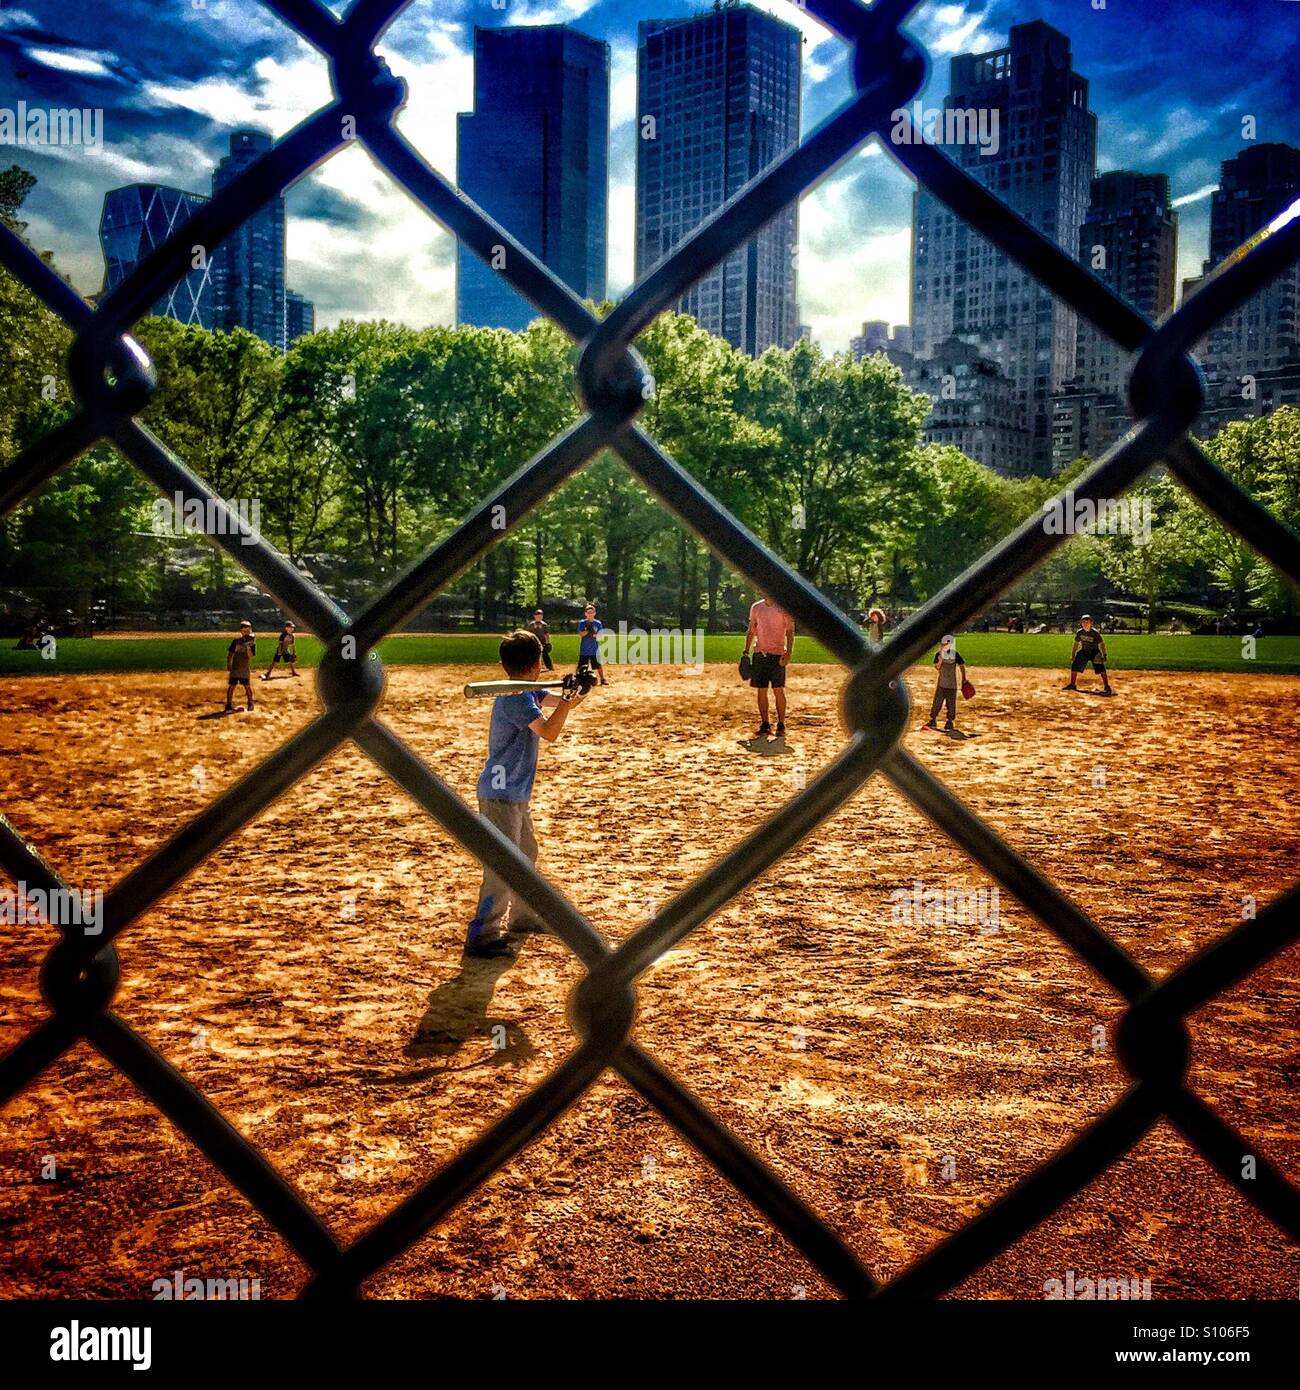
(112, 379)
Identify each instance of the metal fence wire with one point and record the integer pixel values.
(112, 378)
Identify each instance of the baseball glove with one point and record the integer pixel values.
(967, 689)
(746, 667)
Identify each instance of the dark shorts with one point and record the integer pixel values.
(240, 680)
(590, 663)
(290, 658)
(1083, 661)
(766, 669)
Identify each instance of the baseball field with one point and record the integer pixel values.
(899, 1074)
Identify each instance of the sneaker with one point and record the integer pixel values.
(1107, 691)
(763, 730)
(949, 726)
(1071, 686)
(492, 949)
(529, 927)
(780, 731)
(930, 724)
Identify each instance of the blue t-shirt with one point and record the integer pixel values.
(512, 749)
(589, 646)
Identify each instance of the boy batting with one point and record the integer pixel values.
(1089, 650)
(505, 787)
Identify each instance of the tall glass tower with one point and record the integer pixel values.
(139, 217)
(718, 101)
(534, 154)
(248, 267)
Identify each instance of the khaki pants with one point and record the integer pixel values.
(498, 908)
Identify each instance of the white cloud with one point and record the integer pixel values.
(1138, 139)
(565, 12)
(950, 29)
(84, 62)
(622, 84)
(813, 30)
(1198, 196)
(275, 97)
(17, 19)
(844, 277)
(622, 236)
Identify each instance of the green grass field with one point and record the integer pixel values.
(163, 653)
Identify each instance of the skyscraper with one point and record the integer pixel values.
(299, 317)
(1129, 240)
(718, 99)
(139, 217)
(534, 154)
(1042, 164)
(1254, 187)
(248, 267)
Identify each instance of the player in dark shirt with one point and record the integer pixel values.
(542, 632)
(285, 651)
(1089, 650)
(239, 664)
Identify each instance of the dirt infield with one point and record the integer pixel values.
(900, 1077)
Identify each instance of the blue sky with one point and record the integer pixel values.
(1171, 82)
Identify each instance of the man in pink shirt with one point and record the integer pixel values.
(771, 638)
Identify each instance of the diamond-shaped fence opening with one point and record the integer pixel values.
(112, 379)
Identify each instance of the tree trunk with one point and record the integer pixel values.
(537, 567)
(715, 581)
(681, 580)
(490, 589)
(609, 588)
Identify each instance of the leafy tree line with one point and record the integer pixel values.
(365, 444)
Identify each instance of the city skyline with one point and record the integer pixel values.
(361, 249)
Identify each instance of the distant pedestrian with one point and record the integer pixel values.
(876, 625)
(542, 632)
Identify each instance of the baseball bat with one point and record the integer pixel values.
(484, 688)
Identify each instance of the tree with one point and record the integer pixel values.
(697, 415)
(847, 474)
(1148, 568)
(1263, 457)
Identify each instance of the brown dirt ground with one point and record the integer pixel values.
(851, 1053)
